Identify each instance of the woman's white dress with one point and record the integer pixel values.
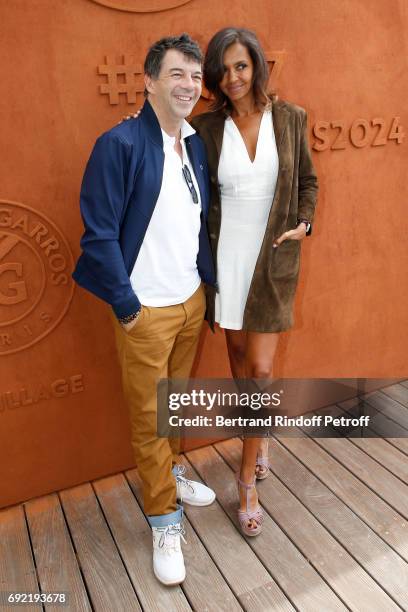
(247, 191)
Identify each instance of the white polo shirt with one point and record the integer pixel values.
(165, 272)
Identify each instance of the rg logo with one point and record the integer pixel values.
(36, 287)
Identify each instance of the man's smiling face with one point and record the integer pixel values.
(178, 86)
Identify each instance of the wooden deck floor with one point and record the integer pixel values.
(335, 534)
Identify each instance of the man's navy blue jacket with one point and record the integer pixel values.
(121, 184)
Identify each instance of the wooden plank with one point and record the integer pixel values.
(55, 558)
(108, 584)
(17, 569)
(380, 425)
(133, 538)
(398, 392)
(400, 443)
(378, 558)
(297, 578)
(203, 576)
(382, 422)
(340, 570)
(240, 567)
(385, 454)
(369, 472)
(405, 383)
(379, 450)
(390, 407)
(378, 515)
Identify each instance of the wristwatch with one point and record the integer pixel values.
(307, 223)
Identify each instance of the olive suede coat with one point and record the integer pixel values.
(270, 300)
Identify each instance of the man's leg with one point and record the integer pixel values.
(185, 347)
(143, 353)
(179, 366)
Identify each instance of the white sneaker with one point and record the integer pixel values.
(168, 560)
(192, 492)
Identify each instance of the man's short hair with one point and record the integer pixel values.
(157, 51)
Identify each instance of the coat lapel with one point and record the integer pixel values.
(217, 130)
(280, 121)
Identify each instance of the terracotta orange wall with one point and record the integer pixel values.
(62, 415)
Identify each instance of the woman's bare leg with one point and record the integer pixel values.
(259, 356)
(251, 356)
(260, 353)
(236, 345)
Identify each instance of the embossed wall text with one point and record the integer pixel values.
(36, 287)
(361, 133)
(31, 394)
(275, 61)
(131, 73)
(126, 76)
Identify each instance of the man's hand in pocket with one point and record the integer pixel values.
(128, 326)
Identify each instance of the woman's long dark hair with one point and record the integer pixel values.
(214, 65)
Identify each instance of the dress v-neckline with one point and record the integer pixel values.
(252, 162)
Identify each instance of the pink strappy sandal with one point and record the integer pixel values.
(244, 516)
(261, 467)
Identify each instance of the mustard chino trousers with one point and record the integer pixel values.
(162, 344)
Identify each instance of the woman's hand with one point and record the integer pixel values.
(131, 116)
(296, 234)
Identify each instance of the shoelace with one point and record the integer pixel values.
(181, 469)
(167, 532)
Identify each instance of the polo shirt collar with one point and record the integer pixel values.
(186, 130)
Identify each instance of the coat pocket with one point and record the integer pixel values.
(285, 260)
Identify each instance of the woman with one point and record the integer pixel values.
(263, 197)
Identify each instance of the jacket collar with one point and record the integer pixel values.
(153, 126)
(151, 123)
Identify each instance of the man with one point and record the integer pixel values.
(144, 202)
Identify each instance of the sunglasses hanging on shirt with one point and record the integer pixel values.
(190, 184)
